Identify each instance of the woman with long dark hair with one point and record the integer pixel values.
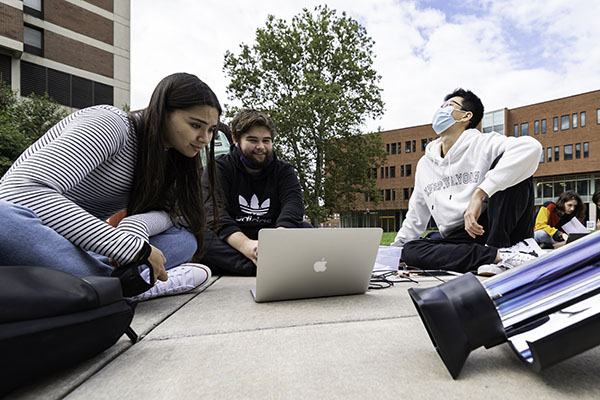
(552, 216)
(55, 198)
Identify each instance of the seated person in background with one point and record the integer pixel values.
(596, 201)
(259, 191)
(479, 190)
(552, 216)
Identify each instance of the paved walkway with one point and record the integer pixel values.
(221, 344)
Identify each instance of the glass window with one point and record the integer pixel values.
(555, 121)
(35, 4)
(407, 146)
(488, 120)
(536, 128)
(388, 194)
(525, 129)
(569, 186)
(32, 36)
(392, 172)
(556, 153)
(577, 150)
(402, 170)
(559, 187)
(564, 122)
(393, 194)
(32, 40)
(548, 190)
(543, 126)
(549, 154)
(575, 120)
(414, 146)
(542, 157)
(393, 148)
(387, 172)
(381, 173)
(582, 188)
(423, 144)
(405, 193)
(516, 130)
(568, 152)
(387, 148)
(598, 116)
(375, 173)
(586, 149)
(33, 7)
(408, 170)
(582, 118)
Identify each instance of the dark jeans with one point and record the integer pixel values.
(223, 259)
(507, 219)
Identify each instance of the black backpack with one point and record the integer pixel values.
(50, 320)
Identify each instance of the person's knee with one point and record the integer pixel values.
(542, 236)
(177, 244)
(187, 242)
(410, 252)
(11, 214)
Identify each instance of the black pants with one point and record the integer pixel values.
(221, 258)
(507, 219)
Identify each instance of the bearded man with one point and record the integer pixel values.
(259, 191)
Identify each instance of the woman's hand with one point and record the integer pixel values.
(157, 262)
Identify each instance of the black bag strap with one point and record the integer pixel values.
(132, 283)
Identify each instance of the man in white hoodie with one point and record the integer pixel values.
(478, 188)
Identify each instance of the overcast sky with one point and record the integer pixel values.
(510, 52)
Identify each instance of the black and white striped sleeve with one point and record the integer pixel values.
(60, 161)
(146, 225)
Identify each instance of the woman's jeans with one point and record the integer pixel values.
(541, 236)
(25, 240)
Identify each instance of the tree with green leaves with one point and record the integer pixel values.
(23, 121)
(315, 78)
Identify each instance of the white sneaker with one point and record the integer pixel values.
(511, 257)
(182, 279)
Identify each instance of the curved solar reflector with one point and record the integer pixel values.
(548, 309)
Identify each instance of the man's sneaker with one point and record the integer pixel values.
(511, 257)
(182, 279)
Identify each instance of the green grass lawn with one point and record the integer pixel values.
(388, 237)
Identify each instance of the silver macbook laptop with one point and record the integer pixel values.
(303, 263)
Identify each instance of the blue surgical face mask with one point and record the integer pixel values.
(442, 119)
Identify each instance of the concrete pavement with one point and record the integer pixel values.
(218, 343)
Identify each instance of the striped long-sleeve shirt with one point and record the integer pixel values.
(78, 174)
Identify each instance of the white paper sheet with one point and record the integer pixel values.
(574, 226)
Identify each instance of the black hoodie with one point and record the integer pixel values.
(268, 199)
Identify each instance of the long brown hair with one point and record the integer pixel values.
(569, 195)
(166, 180)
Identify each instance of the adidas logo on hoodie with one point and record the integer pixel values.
(254, 208)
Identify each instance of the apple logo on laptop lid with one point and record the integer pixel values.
(320, 266)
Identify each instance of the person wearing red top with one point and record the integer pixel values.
(552, 216)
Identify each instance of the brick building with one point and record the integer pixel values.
(568, 129)
(76, 51)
